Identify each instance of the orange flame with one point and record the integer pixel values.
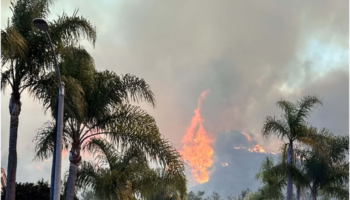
(247, 136)
(196, 150)
(257, 148)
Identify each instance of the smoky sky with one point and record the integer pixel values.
(250, 54)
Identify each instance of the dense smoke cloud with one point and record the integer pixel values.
(249, 53)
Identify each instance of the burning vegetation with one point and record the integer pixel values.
(197, 151)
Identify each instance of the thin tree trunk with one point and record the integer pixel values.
(298, 193)
(313, 194)
(289, 177)
(15, 110)
(71, 181)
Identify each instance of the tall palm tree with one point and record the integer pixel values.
(77, 68)
(25, 60)
(107, 114)
(314, 170)
(291, 127)
(126, 174)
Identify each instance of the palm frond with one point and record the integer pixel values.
(275, 126)
(305, 106)
(13, 45)
(87, 175)
(341, 193)
(137, 89)
(103, 151)
(45, 89)
(76, 62)
(132, 126)
(70, 28)
(5, 79)
(45, 140)
(315, 139)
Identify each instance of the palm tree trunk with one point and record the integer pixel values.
(75, 159)
(15, 110)
(71, 181)
(289, 177)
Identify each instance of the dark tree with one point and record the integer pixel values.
(31, 191)
(192, 196)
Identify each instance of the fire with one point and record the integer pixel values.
(196, 150)
(64, 153)
(247, 136)
(257, 148)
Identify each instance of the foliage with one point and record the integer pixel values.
(89, 195)
(31, 191)
(192, 196)
(293, 127)
(242, 195)
(125, 174)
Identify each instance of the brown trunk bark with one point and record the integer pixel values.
(15, 110)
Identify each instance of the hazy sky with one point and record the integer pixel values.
(250, 54)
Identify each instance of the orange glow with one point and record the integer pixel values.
(247, 136)
(64, 153)
(257, 148)
(196, 150)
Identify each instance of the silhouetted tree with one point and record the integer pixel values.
(31, 191)
(192, 196)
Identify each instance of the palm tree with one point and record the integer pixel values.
(292, 127)
(77, 68)
(315, 170)
(126, 174)
(273, 181)
(328, 175)
(106, 114)
(25, 60)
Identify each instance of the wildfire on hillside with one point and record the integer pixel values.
(197, 151)
(257, 148)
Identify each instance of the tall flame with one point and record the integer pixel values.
(196, 150)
